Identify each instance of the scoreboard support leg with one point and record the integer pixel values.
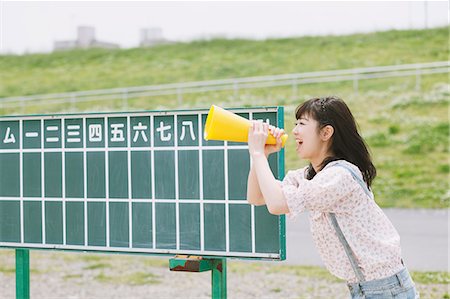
(217, 266)
(22, 274)
(219, 278)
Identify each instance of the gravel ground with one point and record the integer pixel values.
(80, 275)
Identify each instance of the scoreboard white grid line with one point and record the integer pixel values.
(137, 200)
(128, 149)
(120, 149)
(152, 143)
(227, 217)
(252, 207)
(200, 166)
(106, 133)
(21, 183)
(149, 250)
(63, 183)
(177, 205)
(44, 237)
(130, 213)
(85, 231)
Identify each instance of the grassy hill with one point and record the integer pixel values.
(216, 59)
(407, 130)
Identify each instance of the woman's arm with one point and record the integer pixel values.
(261, 182)
(269, 186)
(254, 195)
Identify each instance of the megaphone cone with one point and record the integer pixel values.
(225, 125)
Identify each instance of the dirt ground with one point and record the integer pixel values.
(76, 275)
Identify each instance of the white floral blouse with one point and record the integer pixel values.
(370, 234)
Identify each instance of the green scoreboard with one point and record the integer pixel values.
(143, 182)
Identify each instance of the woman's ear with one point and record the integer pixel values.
(326, 133)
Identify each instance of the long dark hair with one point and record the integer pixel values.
(346, 143)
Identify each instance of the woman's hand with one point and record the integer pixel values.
(257, 136)
(273, 148)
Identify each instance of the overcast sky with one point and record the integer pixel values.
(34, 26)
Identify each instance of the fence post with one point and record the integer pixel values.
(22, 105)
(294, 89)
(236, 90)
(72, 101)
(179, 96)
(418, 79)
(125, 99)
(355, 83)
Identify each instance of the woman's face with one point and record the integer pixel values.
(307, 137)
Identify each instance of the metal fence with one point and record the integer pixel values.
(235, 85)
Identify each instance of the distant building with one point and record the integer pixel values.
(152, 36)
(85, 39)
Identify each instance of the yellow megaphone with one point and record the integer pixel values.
(225, 125)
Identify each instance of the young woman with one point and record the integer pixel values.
(355, 239)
